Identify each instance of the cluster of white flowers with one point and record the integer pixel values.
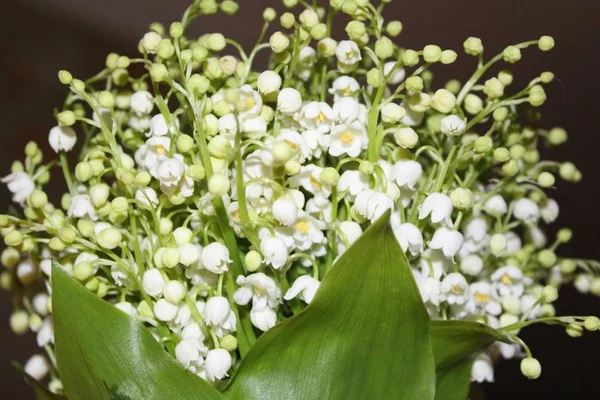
(209, 198)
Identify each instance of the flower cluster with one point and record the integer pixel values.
(210, 199)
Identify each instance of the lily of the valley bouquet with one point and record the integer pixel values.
(334, 225)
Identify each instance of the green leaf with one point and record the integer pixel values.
(41, 391)
(102, 353)
(364, 336)
(455, 344)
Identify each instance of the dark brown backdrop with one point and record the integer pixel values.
(39, 37)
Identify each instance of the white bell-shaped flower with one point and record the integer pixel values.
(147, 196)
(274, 251)
(452, 125)
(215, 257)
(158, 126)
(439, 206)
(372, 204)
(217, 363)
(37, 367)
(264, 318)
(62, 138)
(410, 238)
(347, 52)
(455, 289)
(526, 210)
(549, 212)
(347, 109)
(304, 287)
(508, 280)
(170, 171)
(141, 102)
(188, 352)
(483, 369)
(448, 240)
(471, 265)
(353, 181)
(407, 173)
(189, 253)
(496, 205)
(268, 82)
(165, 311)
(153, 282)
(81, 206)
(397, 76)
(216, 310)
(344, 86)
(285, 211)
(350, 231)
(21, 186)
(289, 101)
(259, 288)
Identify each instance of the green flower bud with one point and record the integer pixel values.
(443, 101)
(473, 104)
(500, 114)
(253, 260)
(7, 282)
(159, 72)
(216, 42)
(453, 86)
(199, 53)
(165, 49)
(102, 289)
(384, 48)
(174, 291)
(461, 198)
(592, 324)
(329, 176)
(99, 194)
(85, 227)
(531, 368)
(505, 77)
(109, 238)
(498, 243)
(501, 154)
(123, 62)
(432, 53)
(511, 168)
(595, 287)
(517, 152)
(394, 28)
(165, 226)
(406, 138)
(493, 88)
(229, 7)
(546, 43)
(366, 167)
(176, 30)
(31, 149)
(546, 179)
(66, 118)
(511, 54)
(219, 147)
(92, 284)
(14, 238)
(414, 84)
(65, 77)
(547, 258)
(10, 258)
(228, 65)
(574, 330)
(537, 96)
(279, 42)
(448, 57)
(229, 342)
(218, 185)
(410, 58)
(282, 153)
(83, 271)
(374, 77)
(473, 46)
(557, 136)
(287, 20)
(549, 294)
(19, 322)
(196, 172)
(143, 178)
(308, 18)
(547, 77)
(78, 85)
(484, 144)
(319, 31)
(568, 266)
(391, 113)
(170, 258)
(38, 199)
(150, 41)
(349, 7)
(564, 235)
(326, 47)
(292, 167)
(185, 143)
(55, 244)
(355, 30)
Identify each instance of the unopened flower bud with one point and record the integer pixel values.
(549, 294)
(461, 198)
(229, 343)
(216, 42)
(218, 185)
(384, 48)
(574, 330)
(546, 179)
(493, 88)
(366, 167)
(537, 96)
(432, 53)
(292, 167)
(592, 323)
(82, 271)
(557, 136)
(547, 258)
(483, 144)
(414, 84)
(406, 138)
(443, 101)
(174, 292)
(253, 260)
(410, 58)
(329, 176)
(391, 113)
(279, 42)
(65, 77)
(19, 322)
(546, 43)
(473, 104)
(498, 244)
(531, 368)
(511, 54)
(282, 153)
(109, 238)
(473, 46)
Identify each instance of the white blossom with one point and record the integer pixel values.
(483, 369)
(215, 257)
(217, 363)
(142, 102)
(347, 52)
(274, 251)
(526, 210)
(304, 287)
(454, 289)
(62, 138)
(508, 280)
(344, 86)
(81, 206)
(439, 206)
(407, 173)
(410, 238)
(289, 101)
(21, 186)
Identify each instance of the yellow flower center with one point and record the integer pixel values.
(506, 279)
(347, 91)
(482, 298)
(457, 289)
(292, 145)
(250, 102)
(160, 149)
(322, 118)
(316, 183)
(346, 137)
(349, 54)
(237, 216)
(302, 226)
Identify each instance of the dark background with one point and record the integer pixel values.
(39, 37)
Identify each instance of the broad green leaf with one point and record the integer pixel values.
(364, 336)
(102, 353)
(41, 391)
(455, 343)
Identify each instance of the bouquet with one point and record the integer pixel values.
(334, 224)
